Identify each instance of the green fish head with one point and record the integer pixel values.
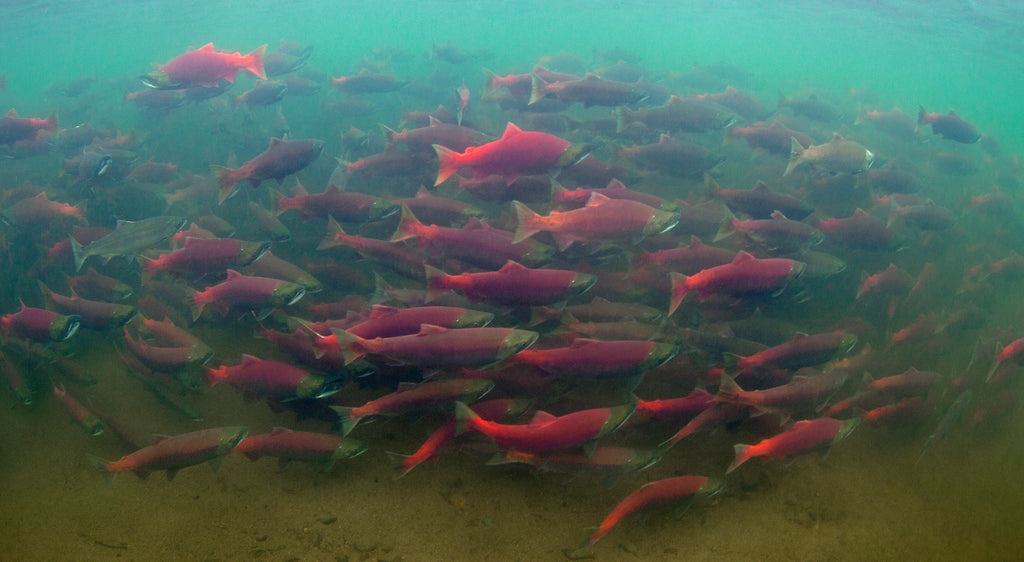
(348, 449)
(580, 284)
(515, 342)
(660, 354)
(252, 251)
(473, 319)
(287, 293)
(382, 209)
(310, 387)
(231, 436)
(661, 221)
(63, 327)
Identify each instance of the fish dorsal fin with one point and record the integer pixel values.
(836, 137)
(249, 359)
(674, 99)
(121, 223)
(274, 141)
(430, 329)
(592, 76)
(952, 113)
(731, 90)
(860, 213)
(664, 139)
(280, 430)
(695, 242)
(510, 130)
(614, 183)
(511, 266)
(597, 199)
(232, 274)
(742, 257)
(207, 48)
(600, 300)
(12, 113)
(892, 268)
(777, 215)
(433, 121)
(379, 311)
(760, 187)
(474, 224)
(422, 192)
(331, 189)
(582, 342)
(799, 336)
(542, 417)
(191, 240)
(299, 190)
(157, 438)
(775, 126)
(364, 72)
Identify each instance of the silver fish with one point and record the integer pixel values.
(128, 239)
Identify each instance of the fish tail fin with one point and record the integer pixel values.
(254, 62)
(215, 376)
(349, 345)
(492, 81)
(623, 117)
(527, 222)
(101, 466)
(463, 413)
(538, 88)
(279, 206)
(862, 115)
(742, 456)
(727, 228)
(795, 155)
(388, 132)
(346, 419)
(448, 161)
(680, 288)
(400, 463)
(728, 390)
(331, 238)
(408, 226)
(435, 285)
(922, 116)
(227, 180)
(198, 302)
(78, 251)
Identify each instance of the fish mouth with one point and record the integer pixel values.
(63, 327)
(158, 80)
(580, 284)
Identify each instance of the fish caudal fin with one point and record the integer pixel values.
(197, 303)
(680, 288)
(101, 466)
(538, 89)
(528, 222)
(254, 62)
(435, 282)
(346, 419)
(795, 153)
(331, 238)
(349, 344)
(448, 163)
(463, 413)
(227, 180)
(79, 252)
(742, 456)
(623, 118)
(400, 463)
(408, 227)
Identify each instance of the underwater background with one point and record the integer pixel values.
(876, 495)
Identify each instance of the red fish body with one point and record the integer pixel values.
(95, 315)
(177, 452)
(39, 210)
(434, 346)
(387, 322)
(39, 324)
(908, 383)
(78, 412)
(208, 255)
(249, 293)
(590, 90)
(263, 378)
(678, 488)
(745, 275)
(687, 260)
(891, 281)
(415, 397)
(14, 128)
(805, 436)
(394, 255)
(799, 395)
(858, 231)
(547, 433)
(802, 351)
(774, 137)
(759, 202)
(601, 219)
(367, 82)
(345, 206)
(512, 285)
(167, 359)
(282, 158)
(614, 190)
(688, 115)
(598, 359)
(204, 67)
(949, 125)
(516, 153)
(477, 242)
(288, 445)
(672, 157)
(455, 137)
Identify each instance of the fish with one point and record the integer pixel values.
(805, 436)
(601, 219)
(801, 351)
(593, 359)
(257, 294)
(590, 90)
(200, 256)
(263, 378)
(172, 453)
(512, 285)
(415, 397)
(367, 82)
(128, 238)
(14, 128)
(204, 66)
(39, 324)
(684, 489)
(89, 422)
(949, 126)
(547, 433)
(516, 153)
(288, 445)
(95, 315)
(743, 276)
(435, 347)
(281, 159)
(837, 156)
(687, 115)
